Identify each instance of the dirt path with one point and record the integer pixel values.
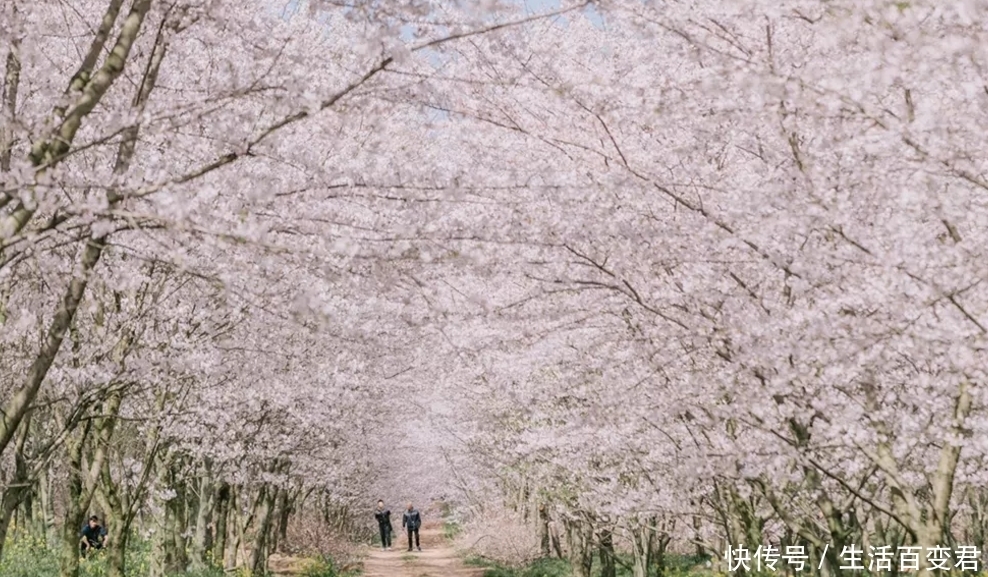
(437, 558)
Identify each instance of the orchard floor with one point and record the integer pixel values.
(438, 558)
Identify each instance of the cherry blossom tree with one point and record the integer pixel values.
(197, 200)
(772, 230)
(674, 275)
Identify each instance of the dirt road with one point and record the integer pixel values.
(437, 558)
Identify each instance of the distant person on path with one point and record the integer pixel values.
(412, 521)
(93, 535)
(383, 517)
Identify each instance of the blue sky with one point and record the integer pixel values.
(536, 6)
(541, 6)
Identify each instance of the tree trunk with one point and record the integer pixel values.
(18, 488)
(177, 526)
(46, 509)
(525, 494)
(159, 552)
(554, 538)
(607, 563)
(697, 540)
(116, 553)
(204, 510)
(579, 537)
(544, 530)
(258, 555)
(78, 501)
(165, 558)
(642, 537)
(284, 511)
(660, 545)
(978, 525)
(11, 499)
(11, 83)
(220, 514)
(234, 533)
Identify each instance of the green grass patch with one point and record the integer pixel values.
(451, 529)
(683, 565)
(539, 568)
(675, 566)
(451, 526)
(326, 567)
(29, 555)
(26, 555)
(477, 561)
(622, 568)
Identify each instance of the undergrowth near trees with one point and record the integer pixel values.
(26, 555)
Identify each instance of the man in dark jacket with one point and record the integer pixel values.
(412, 521)
(383, 517)
(93, 536)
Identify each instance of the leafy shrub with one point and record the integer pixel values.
(27, 555)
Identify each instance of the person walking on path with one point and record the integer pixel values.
(383, 517)
(412, 521)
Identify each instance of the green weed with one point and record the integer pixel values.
(326, 567)
(540, 568)
(451, 529)
(27, 555)
(674, 566)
